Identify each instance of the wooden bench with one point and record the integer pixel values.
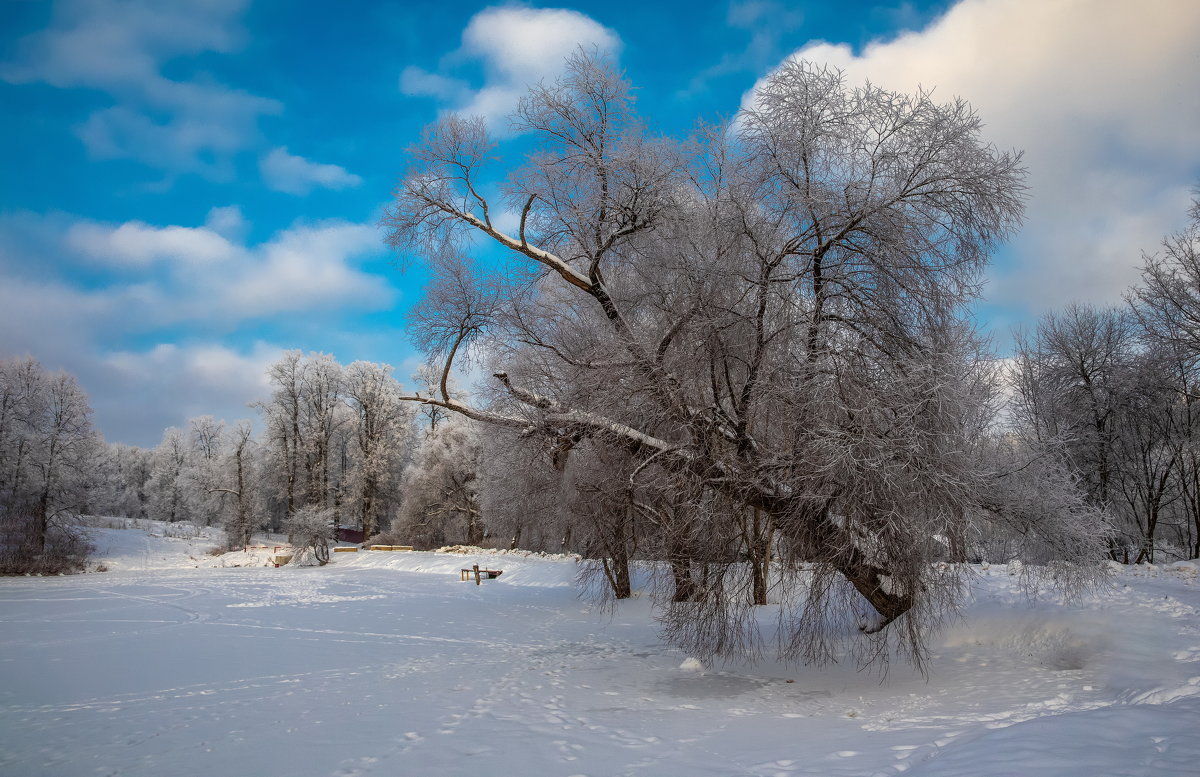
(479, 574)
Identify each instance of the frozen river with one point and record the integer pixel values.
(391, 666)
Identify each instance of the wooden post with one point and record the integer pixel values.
(476, 568)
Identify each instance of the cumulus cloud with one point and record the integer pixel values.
(121, 336)
(517, 47)
(293, 174)
(138, 244)
(121, 47)
(1104, 98)
(173, 275)
(53, 319)
(306, 268)
(164, 385)
(201, 275)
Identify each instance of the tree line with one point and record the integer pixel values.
(332, 439)
(1117, 388)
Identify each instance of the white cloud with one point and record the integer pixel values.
(524, 44)
(99, 43)
(144, 392)
(135, 393)
(179, 274)
(293, 174)
(1105, 100)
(50, 318)
(518, 47)
(135, 243)
(306, 268)
(227, 221)
(205, 280)
(121, 48)
(416, 82)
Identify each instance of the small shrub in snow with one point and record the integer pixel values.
(307, 557)
(310, 528)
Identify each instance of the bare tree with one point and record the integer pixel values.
(324, 423)
(308, 430)
(1072, 375)
(131, 468)
(49, 456)
(1167, 302)
(381, 427)
(170, 491)
(765, 316)
(240, 480)
(1167, 306)
(441, 497)
(203, 473)
(1149, 451)
(524, 497)
(282, 417)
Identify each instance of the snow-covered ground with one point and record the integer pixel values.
(154, 545)
(386, 664)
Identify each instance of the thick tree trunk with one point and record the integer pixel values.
(616, 570)
(759, 571)
(681, 576)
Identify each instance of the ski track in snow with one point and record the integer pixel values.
(386, 664)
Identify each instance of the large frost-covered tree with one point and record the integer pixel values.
(766, 316)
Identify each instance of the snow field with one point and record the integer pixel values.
(386, 664)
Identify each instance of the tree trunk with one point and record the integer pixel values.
(758, 536)
(624, 588)
(616, 570)
(243, 507)
(41, 521)
(681, 576)
(474, 526)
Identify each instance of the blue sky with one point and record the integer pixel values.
(191, 187)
